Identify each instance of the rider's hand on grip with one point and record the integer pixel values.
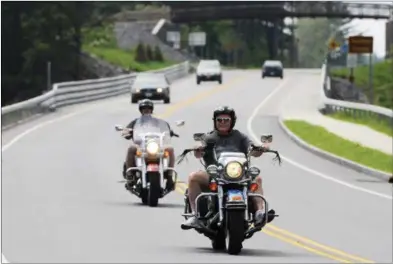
(198, 151)
(126, 132)
(266, 145)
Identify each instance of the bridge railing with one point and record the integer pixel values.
(357, 110)
(68, 93)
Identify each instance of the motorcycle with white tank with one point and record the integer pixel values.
(225, 211)
(152, 136)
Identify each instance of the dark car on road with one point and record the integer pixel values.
(153, 86)
(272, 68)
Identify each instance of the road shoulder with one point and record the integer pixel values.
(332, 157)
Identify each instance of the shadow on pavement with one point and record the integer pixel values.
(162, 204)
(248, 252)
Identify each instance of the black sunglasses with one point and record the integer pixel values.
(223, 119)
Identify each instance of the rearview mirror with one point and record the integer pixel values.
(180, 123)
(119, 128)
(267, 138)
(198, 136)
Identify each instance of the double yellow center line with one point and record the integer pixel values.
(271, 230)
(302, 242)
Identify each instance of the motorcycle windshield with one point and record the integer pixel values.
(148, 127)
(225, 157)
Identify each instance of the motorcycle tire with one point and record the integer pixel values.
(154, 192)
(144, 194)
(235, 232)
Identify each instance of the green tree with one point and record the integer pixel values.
(314, 34)
(140, 54)
(149, 53)
(158, 54)
(36, 33)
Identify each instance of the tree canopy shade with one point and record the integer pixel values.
(35, 33)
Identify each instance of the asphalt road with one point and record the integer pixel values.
(61, 201)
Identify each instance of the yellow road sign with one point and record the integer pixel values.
(333, 44)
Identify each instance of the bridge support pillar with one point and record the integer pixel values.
(272, 39)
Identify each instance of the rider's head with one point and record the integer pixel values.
(224, 118)
(146, 107)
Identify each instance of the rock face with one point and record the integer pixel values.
(129, 34)
(342, 89)
(94, 67)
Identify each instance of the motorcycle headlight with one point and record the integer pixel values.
(234, 170)
(152, 148)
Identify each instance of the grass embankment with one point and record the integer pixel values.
(372, 122)
(323, 139)
(101, 42)
(383, 94)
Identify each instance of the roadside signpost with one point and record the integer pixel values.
(360, 44)
(197, 39)
(333, 44)
(337, 55)
(344, 48)
(174, 37)
(363, 45)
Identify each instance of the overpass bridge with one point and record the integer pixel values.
(192, 11)
(272, 14)
(197, 11)
(252, 15)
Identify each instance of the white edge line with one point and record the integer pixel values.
(28, 131)
(296, 164)
(3, 259)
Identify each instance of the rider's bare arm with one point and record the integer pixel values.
(198, 153)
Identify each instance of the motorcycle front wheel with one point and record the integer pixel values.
(154, 192)
(235, 231)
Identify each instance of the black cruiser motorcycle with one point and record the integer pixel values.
(226, 210)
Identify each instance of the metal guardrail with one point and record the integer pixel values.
(329, 105)
(68, 93)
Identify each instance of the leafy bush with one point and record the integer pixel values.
(157, 54)
(382, 81)
(149, 53)
(140, 55)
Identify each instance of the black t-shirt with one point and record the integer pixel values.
(236, 141)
